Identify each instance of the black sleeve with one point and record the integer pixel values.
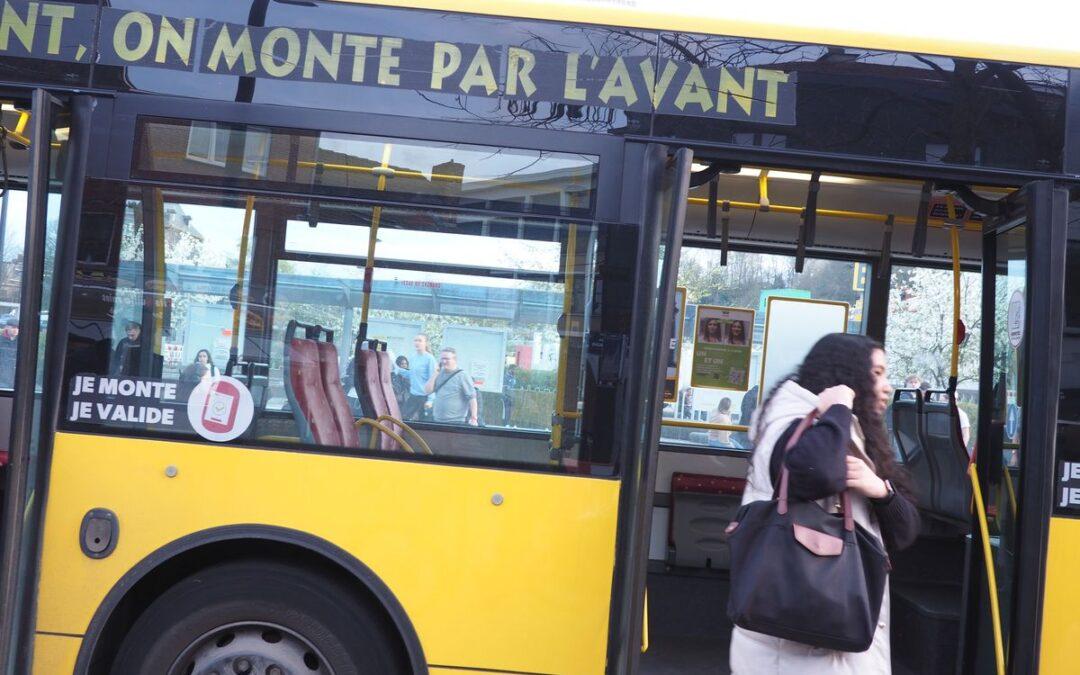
(816, 464)
(899, 520)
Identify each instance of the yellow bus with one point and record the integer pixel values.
(379, 337)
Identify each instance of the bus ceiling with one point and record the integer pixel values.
(843, 212)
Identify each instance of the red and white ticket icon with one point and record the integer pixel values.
(220, 409)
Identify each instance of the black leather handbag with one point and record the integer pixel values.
(803, 574)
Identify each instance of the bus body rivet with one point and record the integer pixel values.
(171, 471)
(497, 499)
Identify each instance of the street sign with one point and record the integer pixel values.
(1012, 420)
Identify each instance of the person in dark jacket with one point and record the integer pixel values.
(125, 360)
(844, 378)
(399, 380)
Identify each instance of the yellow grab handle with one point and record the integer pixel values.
(991, 577)
(645, 625)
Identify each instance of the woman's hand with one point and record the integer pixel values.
(862, 479)
(841, 394)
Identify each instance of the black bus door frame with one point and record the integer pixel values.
(657, 183)
(32, 423)
(1042, 206)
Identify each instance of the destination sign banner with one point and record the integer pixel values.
(639, 83)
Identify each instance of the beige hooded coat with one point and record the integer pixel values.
(757, 654)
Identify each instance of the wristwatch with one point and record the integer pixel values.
(890, 492)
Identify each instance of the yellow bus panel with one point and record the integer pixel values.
(1061, 596)
(522, 586)
(55, 654)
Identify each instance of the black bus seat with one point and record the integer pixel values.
(256, 377)
(944, 445)
(702, 506)
(927, 604)
(906, 419)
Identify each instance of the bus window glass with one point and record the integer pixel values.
(745, 283)
(15, 117)
(533, 181)
(423, 246)
(918, 337)
(466, 357)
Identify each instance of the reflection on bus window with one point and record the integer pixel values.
(699, 415)
(364, 329)
(533, 181)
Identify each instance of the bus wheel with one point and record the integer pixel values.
(263, 618)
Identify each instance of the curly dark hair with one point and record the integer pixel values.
(843, 358)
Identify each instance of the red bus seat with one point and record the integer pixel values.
(368, 385)
(305, 376)
(377, 400)
(335, 395)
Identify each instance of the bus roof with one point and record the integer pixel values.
(922, 26)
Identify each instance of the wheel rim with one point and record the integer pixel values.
(252, 648)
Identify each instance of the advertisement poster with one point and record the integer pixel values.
(723, 337)
(792, 326)
(671, 379)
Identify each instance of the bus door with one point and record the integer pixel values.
(662, 185)
(1023, 281)
(39, 160)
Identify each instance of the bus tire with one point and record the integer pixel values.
(248, 616)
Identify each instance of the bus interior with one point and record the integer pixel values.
(902, 254)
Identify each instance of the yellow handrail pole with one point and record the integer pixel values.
(564, 341)
(249, 210)
(241, 267)
(20, 125)
(991, 577)
(763, 190)
(369, 262)
(645, 624)
(976, 491)
(690, 424)
(411, 173)
(159, 271)
(18, 134)
(832, 213)
(954, 235)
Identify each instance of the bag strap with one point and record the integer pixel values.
(782, 505)
(444, 382)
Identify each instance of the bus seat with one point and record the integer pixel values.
(393, 410)
(906, 418)
(368, 385)
(378, 403)
(702, 506)
(335, 395)
(386, 366)
(942, 439)
(308, 396)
